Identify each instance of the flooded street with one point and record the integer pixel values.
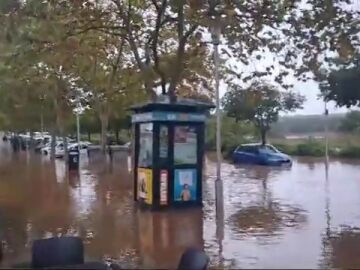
(274, 217)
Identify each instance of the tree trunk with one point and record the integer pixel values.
(117, 136)
(31, 145)
(263, 132)
(53, 144)
(66, 156)
(60, 125)
(104, 118)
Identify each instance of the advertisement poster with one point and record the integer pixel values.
(146, 145)
(164, 142)
(163, 187)
(185, 145)
(185, 185)
(145, 185)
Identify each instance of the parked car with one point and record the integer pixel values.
(47, 148)
(40, 142)
(59, 151)
(126, 146)
(260, 155)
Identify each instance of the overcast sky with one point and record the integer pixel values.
(314, 105)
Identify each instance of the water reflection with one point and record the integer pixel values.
(74, 179)
(270, 214)
(345, 248)
(341, 246)
(164, 236)
(264, 216)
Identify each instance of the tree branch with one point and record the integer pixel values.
(156, 6)
(183, 38)
(156, 33)
(190, 32)
(132, 43)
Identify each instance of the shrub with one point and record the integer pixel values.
(286, 148)
(350, 152)
(314, 149)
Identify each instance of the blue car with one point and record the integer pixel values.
(260, 155)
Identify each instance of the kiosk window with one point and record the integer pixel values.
(185, 145)
(146, 145)
(164, 142)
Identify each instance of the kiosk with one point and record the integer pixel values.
(168, 152)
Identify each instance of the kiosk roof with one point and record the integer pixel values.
(180, 105)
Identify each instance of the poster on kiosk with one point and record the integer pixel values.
(144, 173)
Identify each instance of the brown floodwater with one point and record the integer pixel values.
(303, 217)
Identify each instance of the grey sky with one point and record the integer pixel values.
(314, 105)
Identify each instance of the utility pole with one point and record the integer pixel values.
(42, 122)
(216, 39)
(215, 30)
(326, 134)
(78, 121)
(42, 116)
(324, 87)
(78, 127)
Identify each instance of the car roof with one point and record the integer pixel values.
(72, 144)
(75, 143)
(254, 144)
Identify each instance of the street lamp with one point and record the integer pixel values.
(215, 29)
(216, 40)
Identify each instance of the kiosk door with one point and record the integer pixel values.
(144, 164)
(187, 166)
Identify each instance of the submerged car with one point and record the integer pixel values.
(260, 154)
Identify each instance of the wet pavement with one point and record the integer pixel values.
(274, 217)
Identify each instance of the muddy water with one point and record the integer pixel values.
(301, 217)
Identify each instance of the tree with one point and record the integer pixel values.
(344, 87)
(115, 50)
(261, 104)
(165, 39)
(233, 133)
(351, 122)
(327, 39)
(102, 63)
(118, 123)
(41, 51)
(287, 40)
(3, 121)
(22, 100)
(48, 41)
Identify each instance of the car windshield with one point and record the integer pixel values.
(268, 149)
(247, 149)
